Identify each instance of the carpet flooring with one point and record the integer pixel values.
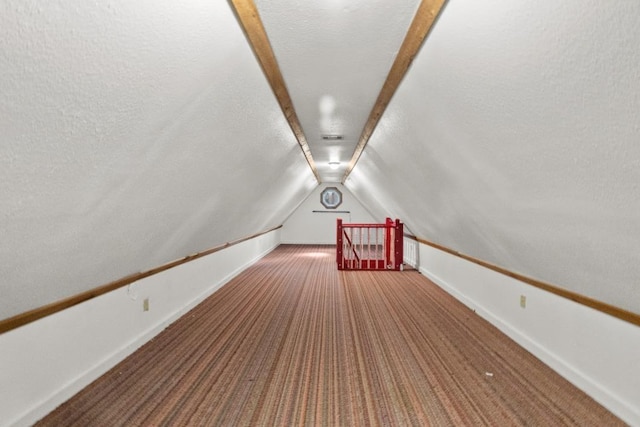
(293, 341)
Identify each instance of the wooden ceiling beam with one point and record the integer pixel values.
(422, 23)
(247, 14)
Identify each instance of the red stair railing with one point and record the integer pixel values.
(370, 246)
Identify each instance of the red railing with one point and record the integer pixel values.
(370, 246)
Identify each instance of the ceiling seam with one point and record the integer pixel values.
(249, 18)
(423, 21)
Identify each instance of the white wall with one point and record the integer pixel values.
(133, 133)
(44, 363)
(513, 138)
(306, 227)
(598, 353)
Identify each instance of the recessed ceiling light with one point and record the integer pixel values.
(334, 165)
(332, 137)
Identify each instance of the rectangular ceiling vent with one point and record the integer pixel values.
(332, 137)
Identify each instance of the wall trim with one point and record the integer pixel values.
(46, 310)
(603, 307)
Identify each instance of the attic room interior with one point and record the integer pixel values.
(172, 174)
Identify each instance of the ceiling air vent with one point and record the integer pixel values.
(332, 137)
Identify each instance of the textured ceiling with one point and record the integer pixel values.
(514, 138)
(335, 56)
(133, 134)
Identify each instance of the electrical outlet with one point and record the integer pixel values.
(145, 304)
(523, 301)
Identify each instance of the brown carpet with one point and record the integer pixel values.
(292, 341)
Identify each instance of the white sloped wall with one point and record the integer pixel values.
(514, 139)
(133, 134)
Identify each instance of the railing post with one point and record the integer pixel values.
(399, 245)
(387, 242)
(339, 245)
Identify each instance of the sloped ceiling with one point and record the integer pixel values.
(334, 56)
(514, 138)
(133, 134)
